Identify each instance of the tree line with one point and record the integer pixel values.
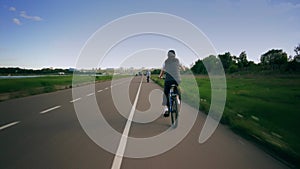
(21, 71)
(274, 60)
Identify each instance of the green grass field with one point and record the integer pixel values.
(13, 88)
(263, 108)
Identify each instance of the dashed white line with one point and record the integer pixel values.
(276, 135)
(9, 125)
(241, 142)
(72, 101)
(50, 109)
(255, 118)
(121, 149)
(240, 116)
(90, 94)
(109, 87)
(116, 84)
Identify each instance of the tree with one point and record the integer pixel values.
(297, 51)
(155, 71)
(274, 58)
(242, 60)
(233, 68)
(294, 61)
(198, 67)
(210, 64)
(226, 60)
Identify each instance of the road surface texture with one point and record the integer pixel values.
(43, 131)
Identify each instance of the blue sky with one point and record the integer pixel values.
(51, 33)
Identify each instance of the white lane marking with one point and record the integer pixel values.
(50, 109)
(114, 85)
(255, 118)
(72, 101)
(117, 84)
(90, 94)
(241, 142)
(121, 149)
(240, 116)
(9, 125)
(276, 135)
(110, 87)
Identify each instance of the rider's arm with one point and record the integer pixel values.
(161, 73)
(181, 67)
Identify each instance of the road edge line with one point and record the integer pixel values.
(122, 145)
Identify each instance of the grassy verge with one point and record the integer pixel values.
(262, 108)
(14, 88)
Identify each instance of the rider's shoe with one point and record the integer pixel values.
(166, 112)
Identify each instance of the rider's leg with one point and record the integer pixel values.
(167, 87)
(178, 94)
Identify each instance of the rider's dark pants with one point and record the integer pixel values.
(167, 88)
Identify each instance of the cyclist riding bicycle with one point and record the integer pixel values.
(172, 68)
(148, 74)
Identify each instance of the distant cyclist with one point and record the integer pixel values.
(172, 68)
(148, 74)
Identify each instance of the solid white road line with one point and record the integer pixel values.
(9, 125)
(50, 109)
(90, 94)
(72, 101)
(121, 149)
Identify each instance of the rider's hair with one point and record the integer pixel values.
(171, 54)
(172, 51)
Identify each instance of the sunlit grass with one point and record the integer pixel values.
(20, 87)
(264, 108)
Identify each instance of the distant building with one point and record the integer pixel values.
(72, 69)
(110, 69)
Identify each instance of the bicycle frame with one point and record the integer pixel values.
(172, 97)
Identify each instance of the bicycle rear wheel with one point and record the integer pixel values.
(174, 113)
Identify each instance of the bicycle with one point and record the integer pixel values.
(173, 105)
